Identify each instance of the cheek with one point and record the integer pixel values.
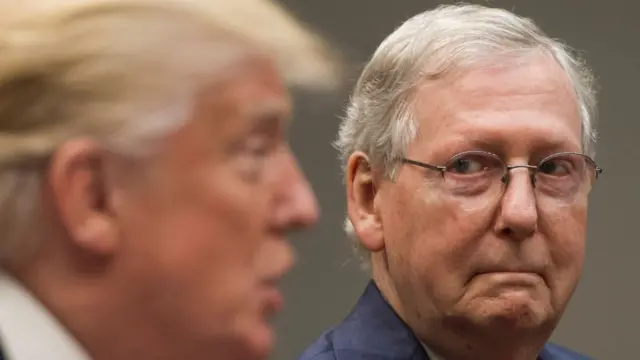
(221, 225)
(433, 234)
(195, 235)
(183, 246)
(564, 227)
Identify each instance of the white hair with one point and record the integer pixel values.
(123, 72)
(431, 45)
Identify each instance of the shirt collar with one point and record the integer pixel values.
(28, 331)
(430, 353)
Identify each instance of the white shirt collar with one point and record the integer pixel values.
(430, 353)
(28, 331)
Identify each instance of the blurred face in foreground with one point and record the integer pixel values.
(192, 240)
(151, 137)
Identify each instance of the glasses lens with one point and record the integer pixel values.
(565, 175)
(473, 173)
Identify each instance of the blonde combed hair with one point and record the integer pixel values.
(121, 72)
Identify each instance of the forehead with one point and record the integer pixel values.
(251, 92)
(520, 106)
(251, 98)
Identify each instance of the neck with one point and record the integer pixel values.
(104, 316)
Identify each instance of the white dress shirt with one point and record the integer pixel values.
(430, 353)
(28, 331)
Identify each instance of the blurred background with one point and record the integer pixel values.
(604, 314)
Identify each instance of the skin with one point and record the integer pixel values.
(177, 256)
(485, 277)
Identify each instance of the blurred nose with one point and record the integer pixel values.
(297, 207)
(518, 214)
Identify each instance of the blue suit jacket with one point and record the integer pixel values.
(373, 331)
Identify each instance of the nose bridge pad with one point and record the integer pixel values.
(505, 178)
(533, 178)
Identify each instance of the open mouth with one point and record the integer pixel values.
(272, 300)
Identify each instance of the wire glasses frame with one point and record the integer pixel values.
(559, 175)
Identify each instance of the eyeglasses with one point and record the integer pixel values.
(561, 176)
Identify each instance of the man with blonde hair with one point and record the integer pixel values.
(146, 185)
(468, 150)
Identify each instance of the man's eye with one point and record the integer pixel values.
(466, 166)
(556, 167)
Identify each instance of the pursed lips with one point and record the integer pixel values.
(515, 270)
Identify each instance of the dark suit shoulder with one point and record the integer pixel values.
(334, 345)
(556, 352)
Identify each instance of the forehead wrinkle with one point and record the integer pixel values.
(442, 104)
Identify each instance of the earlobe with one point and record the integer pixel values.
(362, 199)
(81, 194)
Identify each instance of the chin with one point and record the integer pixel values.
(253, 334)
(261, 347)
(257, 341)
(513, 312)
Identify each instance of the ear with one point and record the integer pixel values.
(83, 197)
(361, 202)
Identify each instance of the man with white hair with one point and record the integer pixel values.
(468, 150)
(146, 184)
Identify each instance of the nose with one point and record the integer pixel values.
(518, 213)
(297, 207)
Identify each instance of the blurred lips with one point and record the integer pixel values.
(278, 262)
(273, 299)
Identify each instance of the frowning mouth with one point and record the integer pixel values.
(510, 277)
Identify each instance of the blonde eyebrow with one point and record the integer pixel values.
(267, 111)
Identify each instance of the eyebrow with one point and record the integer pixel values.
(269, 114)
